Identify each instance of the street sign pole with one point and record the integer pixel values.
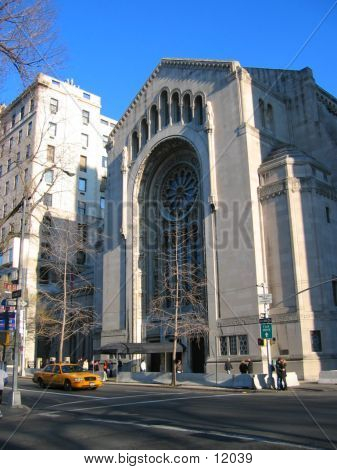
(269, 359)
(16, 394)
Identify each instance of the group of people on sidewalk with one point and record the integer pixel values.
(246, 367)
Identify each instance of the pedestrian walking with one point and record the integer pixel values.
(85, 364)
(105, 371)
(179, 367)
(143, 366)
(110, 369)
(228, 366)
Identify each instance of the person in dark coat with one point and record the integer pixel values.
(281, 371)
(249, 366)
(243, 368)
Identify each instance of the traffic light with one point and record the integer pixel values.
(261, 342)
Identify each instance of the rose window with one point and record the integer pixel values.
(179, 192)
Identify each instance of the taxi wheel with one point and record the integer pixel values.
(67, 386)
(41, 383)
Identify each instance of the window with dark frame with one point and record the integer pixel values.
(316, 341)
(51, 153)
(327, 213)
(334, 291)
(85, 117)
(48, 200)
(54, 105)
(81, 208)
(83, 163)
(82, 185)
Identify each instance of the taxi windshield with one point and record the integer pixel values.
(71, 368)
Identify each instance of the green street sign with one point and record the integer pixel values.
(266, 330)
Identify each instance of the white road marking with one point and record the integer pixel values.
(112, 398)
(190, 397)
(241, 437)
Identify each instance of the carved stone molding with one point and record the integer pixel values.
(272, 190)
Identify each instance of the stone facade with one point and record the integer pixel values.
(261, 146)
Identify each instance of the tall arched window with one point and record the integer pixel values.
(134, 145)
(154, 120)
(187, 110)
(164, 109)
(198, 111)
(270, 118)
(175, 108)
(261, 114)
(144, 129)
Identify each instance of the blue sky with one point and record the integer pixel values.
(111, 47)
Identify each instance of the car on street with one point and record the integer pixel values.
(66, 376)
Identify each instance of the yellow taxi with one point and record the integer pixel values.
(66, 376)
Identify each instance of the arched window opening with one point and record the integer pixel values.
(135, 145)
(164, 109)
(261, 113)
(187, 110)
(144, 128)
(270, 118)
(175, 108)
(154, 120)
(198, 111)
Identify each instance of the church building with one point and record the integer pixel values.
(245, 161)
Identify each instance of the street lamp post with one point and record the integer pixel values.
(269, 359)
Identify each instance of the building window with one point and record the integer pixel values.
(198, 111)
(50, 153)
(49, 176)
(83, 232)
(81, 257)
(164, 109)
(11, 141)
(22, 112)
(84, 140)
(20, 136)
(18, 157)
(54, 105)
(105, 140)
(223, 346)
(327, 213)
(103, 184)
(243, 344)
(103, 121)
(0, 171)
(144, 132)
(102, 202)
(48, 200)
(270, 118)
(52, 129)
(175, 108)
(233, 350)
(6, 188)
(81, 208)
(316, 342)
(86, 95)
(85, 117)
(26, 174)
(134, 145)
(13, 120)
(82, 185)
(32, 106)
(5, 209)
(9, 164)
(44, 275)
(104, 162)
(83, 163)
(187, 109)
(28, 151)
(154, 120)
(30, 127)
(334, 291)
(16, 181)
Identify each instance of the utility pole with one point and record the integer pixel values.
(16, 394)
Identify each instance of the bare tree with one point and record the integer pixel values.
(178, 307)
(27, 40)
(61, 312)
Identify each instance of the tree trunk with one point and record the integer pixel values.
(64, 308)
(176, 310)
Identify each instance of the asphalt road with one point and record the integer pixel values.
(144, 417)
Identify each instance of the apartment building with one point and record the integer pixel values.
(53, 157)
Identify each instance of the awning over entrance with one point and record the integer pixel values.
(138, 348)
